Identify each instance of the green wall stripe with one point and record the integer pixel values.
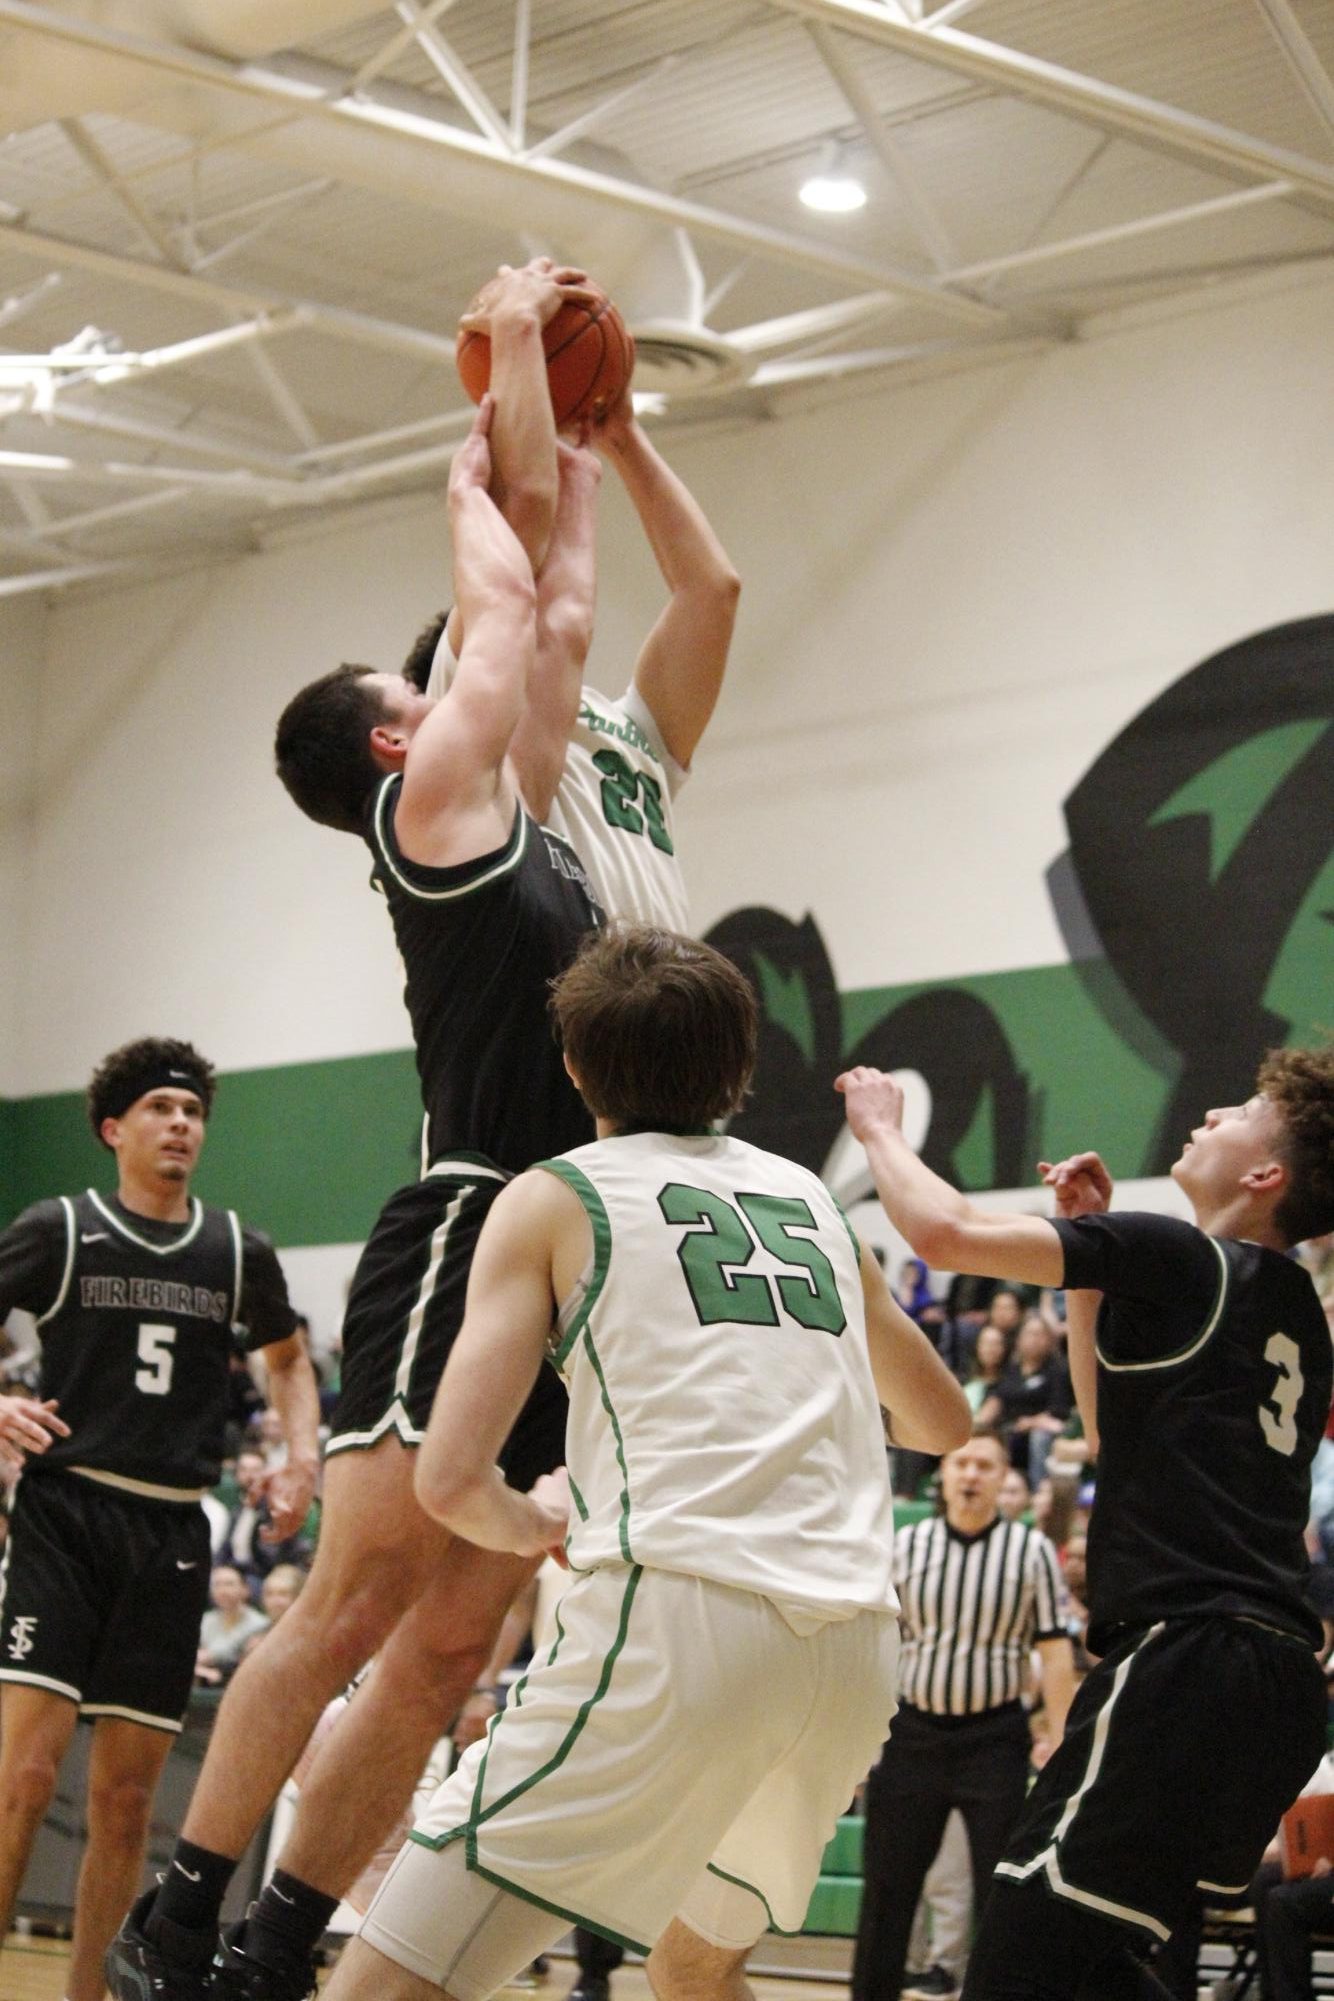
(308, 1151)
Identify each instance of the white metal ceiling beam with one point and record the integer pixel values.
(54, 580)
(1161, 126)
(452, 70)
(305, 102)
(1125, 232)
(781, 374)
(794, 329)
(953, 10)
(519, 69)
(922, 211)
(19, 304)
(335, 320)
(117, 424)
(30, 506)
(597, 114)
(391, 50)
(1302, 59)
(281, 394)
(92, 155)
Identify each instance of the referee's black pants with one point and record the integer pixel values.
(930, 1764)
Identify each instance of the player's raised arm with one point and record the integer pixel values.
(458, 799)
(681, 665)
(925, 1404)
(1082, 1187)
(941, 1224)
(566, 593)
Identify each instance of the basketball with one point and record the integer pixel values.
(590, 358)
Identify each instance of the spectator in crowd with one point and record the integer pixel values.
(279, 1589)
(248, 1542)
(244, 1403)
(991, 1353)
(1032, 1400)
(1004, 1309)
(977, 1594)
(913, 1291)
(1015, 1497)
(227, 1625)
(267, 1436)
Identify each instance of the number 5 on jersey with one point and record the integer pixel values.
(156, 1359)
(726, 1237)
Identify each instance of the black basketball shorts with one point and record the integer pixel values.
(1183, 1749)
(404, 1310)
(101, 1596)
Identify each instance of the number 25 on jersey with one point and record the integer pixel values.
(725, 1237)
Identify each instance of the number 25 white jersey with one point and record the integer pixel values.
(723, 1417)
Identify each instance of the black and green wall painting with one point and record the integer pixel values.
(1195, 898)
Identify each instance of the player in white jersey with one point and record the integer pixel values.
(628, 756)
(727, 1517)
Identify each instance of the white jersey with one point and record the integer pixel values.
(723, 1417)
(614, 803)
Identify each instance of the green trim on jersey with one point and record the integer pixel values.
(856, 1240)
(712, 1869)
(556, 1910)
(1194, 1345)
(623, 1526)
(580, 1505)
(600, 1223)
(479, 1815)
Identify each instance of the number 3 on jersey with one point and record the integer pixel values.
(726, 1237)
(1278, 1414)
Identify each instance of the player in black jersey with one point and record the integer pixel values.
(141, 1297)
(487, 907)
(1201, 1361)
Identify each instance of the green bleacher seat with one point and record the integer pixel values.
(836, 1898)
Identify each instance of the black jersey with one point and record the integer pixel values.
(480, 943)
(138, 1322)
(1214, 1378)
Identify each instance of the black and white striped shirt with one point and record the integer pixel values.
(972, 1607)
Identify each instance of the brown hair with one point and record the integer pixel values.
(322, 748)
(659, 1029)
(1300, 1082)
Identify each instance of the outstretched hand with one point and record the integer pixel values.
(1080, 1184)
(541, 286)
(472, 461)
(873, 1100)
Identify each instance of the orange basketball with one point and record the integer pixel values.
(590, 358)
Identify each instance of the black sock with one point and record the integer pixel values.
(289, 1920)
(190, 1894)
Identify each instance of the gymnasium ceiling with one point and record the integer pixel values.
(235, 235)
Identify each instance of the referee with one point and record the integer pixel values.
(977, 1593)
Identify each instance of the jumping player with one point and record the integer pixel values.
(487, 907)
(1201, 1360)
(611, 791)
(141, 1297)
(726, 1343)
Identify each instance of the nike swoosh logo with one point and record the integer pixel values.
(186, 1566)
(190, 1875)
(94, 1237)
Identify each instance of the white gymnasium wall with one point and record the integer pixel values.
(956, 593)
(22, 637)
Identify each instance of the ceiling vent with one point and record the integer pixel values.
(672, 359)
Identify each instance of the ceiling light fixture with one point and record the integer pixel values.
(831, 189)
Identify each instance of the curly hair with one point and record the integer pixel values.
(151, 1063)
(660, 1029)
(1300, 1082)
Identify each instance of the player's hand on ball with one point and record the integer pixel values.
(1080, 1184)
(609, 433)
(873, 1101)
(472, 461)
(540, 287)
